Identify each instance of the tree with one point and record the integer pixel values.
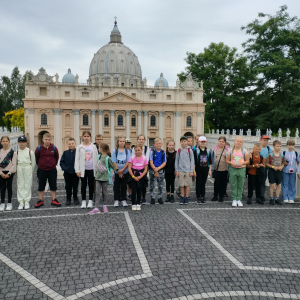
(14, 118)
(274, 52)
(12, 90)
(227, 82)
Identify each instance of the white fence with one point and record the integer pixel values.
(249, 141)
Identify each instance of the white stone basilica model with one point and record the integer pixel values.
(114, 102)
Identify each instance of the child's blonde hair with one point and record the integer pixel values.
(157, 140)
(47, 135)
(237, 138)
(276, 142)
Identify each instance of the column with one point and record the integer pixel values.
(100, 112)
(31, 128)
(57, 121)
(93, 123)
(199, 114)
(76, 125)
(202, 132)
(128, 123)
(161, 116)
(146, 125)
(139, 120)
(177, 118)
(112, 130)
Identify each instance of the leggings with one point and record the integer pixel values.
(170, 182)
(6, 184)
(136, 192)
(103, 185)
(88, 177)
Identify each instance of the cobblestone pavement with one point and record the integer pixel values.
(164, 252)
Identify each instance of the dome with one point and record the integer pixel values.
(68, 78)
(164, 81)
(115, 59)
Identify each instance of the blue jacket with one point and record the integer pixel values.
(67, 161)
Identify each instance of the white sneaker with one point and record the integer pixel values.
(27, 205)
(124, 203)
(21, 206)
(234, 203)
(239, 203)
(116, 203)
(90, 204)
(138, 207)
(291, 201)
(83, 204)
(133, 207)
(8, 206)
(286, 201)
(2, 206)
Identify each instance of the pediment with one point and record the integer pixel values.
(119, 97)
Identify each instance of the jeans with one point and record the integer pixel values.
(288, 186)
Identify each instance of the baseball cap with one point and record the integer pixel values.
(202, 138)
(22, 138)
(127, 141)
(265, 137)
(183, 138)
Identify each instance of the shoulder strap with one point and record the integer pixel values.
(116, 152)
(283, 152)
(179, 151)
(162, 156)
(145, 150)
(189, 150)
(296, 155)
(98, 157)
(243, 152)
(54, 148)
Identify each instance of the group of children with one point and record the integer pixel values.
(128, 171)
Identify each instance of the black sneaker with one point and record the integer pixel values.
(168, 199)
(172, 200)
(76, 201)
(272, 201)
(249, 201)
(279, 201)
(198, 200)
(259, 201)
(144, 201)
(68, 202)
(129, 197)
(214, 198)
(160, 201)
(152, 201)
(203, 200)
(221, 199)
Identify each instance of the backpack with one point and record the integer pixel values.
(145, 150)
(198, 153)
(295, 153)
(110, 171)
(29, 153)
(162, 156)
(126, 152)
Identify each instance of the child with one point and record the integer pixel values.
(227, 145)
(158, 161)
(184, 167)
(202, 159)
(85, 167)
(265, 151)
(275, 162)
(120, 158)
(98, 141)
(289, 173)
(8, 161)
(190, 141)
(67, 163)
(197, 144)
(137, 168)
(102, 177)
(237, 159)
(256, 172)
(128, 147)
(25, 167)
(47, 156)
(170, 171)
(219, 169)
(146, 152)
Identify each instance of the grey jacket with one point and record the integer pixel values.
(184, 162)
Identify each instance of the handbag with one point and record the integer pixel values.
(100, 166)
(214, 173)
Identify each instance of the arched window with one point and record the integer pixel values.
(67, 119)
(168, 122)
(153, 121)
(133, 121)
(120, 120)
(85, 120)
(43, 119)
(189, 121)
(106, 121)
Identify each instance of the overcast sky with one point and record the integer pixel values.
(57, 35)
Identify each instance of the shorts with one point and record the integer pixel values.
(185, 179)
(43, 175)
(275, 176)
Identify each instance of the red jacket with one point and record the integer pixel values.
(47, 159)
